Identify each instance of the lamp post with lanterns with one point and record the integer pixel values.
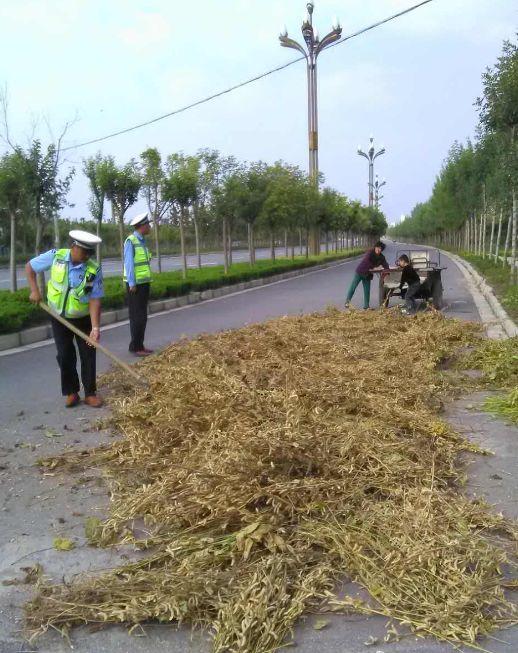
(377, 197)
(371, 155)
(314, 46)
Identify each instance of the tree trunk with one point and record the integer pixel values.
(307, 243)
(292, 247)
(514, 271)
(484, 230)
(272, 245)
(491, 240)
(37, 241)
(286, 243)
(196, 236)
(56, 231)
(182, 242)
(98, 253)
(499, 233)
(225, 246)
(480, 234)
(156, 222)
(327, 242)
(507, 240)
(483, 221)
(229, 245)
(12, 253)
(121, 238)
(157, 245)
(300, 241)
(313, 239)
(251, 246)
(37, 248)
(24, 234)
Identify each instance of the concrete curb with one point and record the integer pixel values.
(43, 332)
(497, 322)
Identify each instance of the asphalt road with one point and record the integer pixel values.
(35, 508)
(35, 371)
(113, 267)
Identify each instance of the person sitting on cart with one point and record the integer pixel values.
(411, 278)
(372, 260)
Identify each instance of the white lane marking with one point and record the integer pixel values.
(109, 327)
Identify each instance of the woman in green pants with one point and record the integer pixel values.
(372, 259)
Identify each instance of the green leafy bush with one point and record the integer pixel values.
(16, 312)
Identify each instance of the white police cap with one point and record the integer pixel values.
(140, 219)
(84, 239)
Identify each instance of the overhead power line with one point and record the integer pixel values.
(209, 98)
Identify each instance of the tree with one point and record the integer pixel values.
(99, 172)
(499, 114)
(284, 201)
(122, 189)
(13, 199)
(226, 204)
(310, 214)
(222, 174)
(252, 190)
(153, 178)
(181, 189)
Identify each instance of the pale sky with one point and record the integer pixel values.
(410, 83)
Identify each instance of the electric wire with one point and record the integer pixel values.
(209, 98)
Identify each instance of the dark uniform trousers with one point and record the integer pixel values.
(137, 307)
(67, 358)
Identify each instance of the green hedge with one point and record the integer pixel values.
(16, 312)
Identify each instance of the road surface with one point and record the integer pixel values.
(112, 266)
(36, 508)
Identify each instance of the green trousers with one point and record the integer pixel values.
(366, 282)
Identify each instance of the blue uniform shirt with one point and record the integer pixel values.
(129, 261)
(76, 273)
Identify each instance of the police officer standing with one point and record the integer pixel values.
(137, 276)
(74, 291)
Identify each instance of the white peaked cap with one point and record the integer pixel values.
(141, 218)
(84, 239)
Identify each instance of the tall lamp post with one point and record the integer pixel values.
(377, 197)
(371, 155)
(314, 47)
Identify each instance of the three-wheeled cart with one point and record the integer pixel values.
(427, 263)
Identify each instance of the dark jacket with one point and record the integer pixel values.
(369, 261)
(409, 276)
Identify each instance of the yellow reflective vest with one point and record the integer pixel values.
(141, 261)
(67, 301)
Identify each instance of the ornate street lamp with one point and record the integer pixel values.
(371, 155)
(377, 197)
(314, 47)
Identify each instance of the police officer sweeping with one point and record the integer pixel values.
(137, 276)
(74, 291)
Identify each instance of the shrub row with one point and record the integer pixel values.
(16, 312)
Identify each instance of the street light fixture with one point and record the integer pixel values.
(314, 46)
(371, 155)
(377, 197)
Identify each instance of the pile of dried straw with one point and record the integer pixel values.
(267, 464)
